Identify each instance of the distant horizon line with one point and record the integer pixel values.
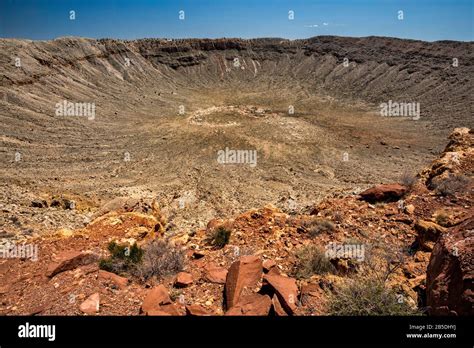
(234, 38)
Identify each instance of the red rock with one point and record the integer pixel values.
(197, 310)
(157, 312)
(69, 260)
(119, 281)
(268, 265)
(91, 305)
(214, 224)
(36, 310)
(171, 309)
(155, 298)
(286, 290)
(427, 233)
(450, 272)
(311, 290)
(183, 279)
(243, 274)
(274, 270)
(277, 307)
(215, 274)
(390, 192)
(253, 304)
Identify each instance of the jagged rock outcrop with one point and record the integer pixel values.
(456, 158)
(450, 273)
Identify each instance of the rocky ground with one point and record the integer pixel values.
(165, 108)
(144, 173)
(417, 235)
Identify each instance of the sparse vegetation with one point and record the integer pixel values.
(219, 237)
(160, 259)
(442, 218)
(123, 258)
(175, 294)
(316, 227)
(408, 179)
(338, 217)
(451, 185)
(352, 241)
(368, 296)
(312, 260)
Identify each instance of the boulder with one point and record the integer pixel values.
(183, 279)
(384, 193)
(158, 312)
(117, 280)
(243, 274)
(91, 305)
(69, 260)
(155, 298)
(253, 304)
(286, 290)
(215, 274)
(277, 307)
(427, 233)
(450, 273)
(268, 265)
(458, 150)
(171, 309)
(197, 310)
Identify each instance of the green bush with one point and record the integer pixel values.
(132, 253)
(123, 258)
(220, 237)
(368, 297)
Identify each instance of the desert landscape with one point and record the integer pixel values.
(236, 177)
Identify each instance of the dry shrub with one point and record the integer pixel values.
(451, 185)
(408, 179)
(316, 227)
(312, 260)
(366, 296)
(442, 218)
(160, 259)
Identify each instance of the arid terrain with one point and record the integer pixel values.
(145, 168)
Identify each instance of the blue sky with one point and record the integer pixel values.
(428, 20)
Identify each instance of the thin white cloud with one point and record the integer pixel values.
(324, 24)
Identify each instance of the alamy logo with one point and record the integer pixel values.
(19, 251)
(347, 251)
(229, 156)
(66, 108)
(37, 331)
(395, 109)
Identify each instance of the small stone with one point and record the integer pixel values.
(119, 281)
(155, 298)
(197, 310)
(91, 305)
(183, 279)
(215, 274)
(268, 265)
(410, 209)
